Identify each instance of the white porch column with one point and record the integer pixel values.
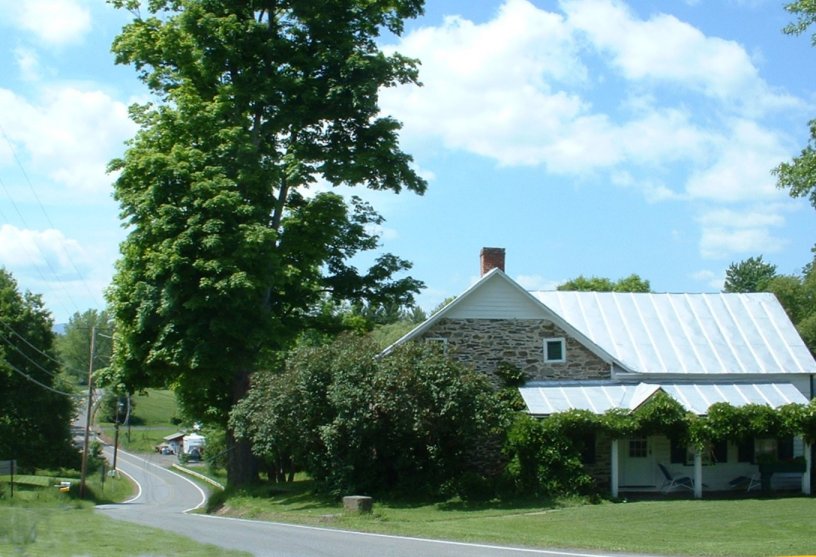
(806, 476)
(614, 471)
(698, 474)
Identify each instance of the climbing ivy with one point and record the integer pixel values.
(663, 415)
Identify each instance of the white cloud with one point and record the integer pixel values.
(742, 169)
(670, 51)
(488, 88)
(28, 63)
(517, 89)
(709, 278)
(54, 22)
(726, 232)
(48, 251)
(68, 134)
(536, 282)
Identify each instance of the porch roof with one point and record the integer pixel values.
(549, 398)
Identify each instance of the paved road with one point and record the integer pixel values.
(165, 497)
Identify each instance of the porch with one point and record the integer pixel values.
(652, 465)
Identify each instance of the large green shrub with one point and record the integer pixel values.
(411, 422)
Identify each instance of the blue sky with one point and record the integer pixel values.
(587, 137)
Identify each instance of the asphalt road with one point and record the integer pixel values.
(165, 498)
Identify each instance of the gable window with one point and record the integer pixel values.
(440, 343)
(554, 350)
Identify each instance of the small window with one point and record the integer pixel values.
(784, 448)
(746, 451)
(554, 350)
(638, 447)
(678, 452)
(718, 452)
(440, 343)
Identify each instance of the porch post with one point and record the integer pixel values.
(698, 473)
(806, 476)
(614, 471)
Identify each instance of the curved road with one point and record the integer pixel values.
(165, 497)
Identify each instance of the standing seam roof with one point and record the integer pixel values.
(687, 333)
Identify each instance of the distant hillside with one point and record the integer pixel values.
(59, 328)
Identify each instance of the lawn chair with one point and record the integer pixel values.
(749, 483)
(670, 482)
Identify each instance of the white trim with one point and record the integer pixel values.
(563, 358)
(440, 340)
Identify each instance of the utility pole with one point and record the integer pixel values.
(116, 435)
(87, 417)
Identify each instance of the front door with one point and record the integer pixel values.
(637, 463)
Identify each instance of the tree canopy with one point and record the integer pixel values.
(632, 283)
(36, 406)
(74, 346)
(751, 275)
(229, 252)
(799, 175)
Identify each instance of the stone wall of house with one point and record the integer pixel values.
(601, 469)
(485, 343)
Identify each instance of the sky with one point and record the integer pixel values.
(586, 137)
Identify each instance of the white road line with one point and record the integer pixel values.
(409, 538)
(186, 479)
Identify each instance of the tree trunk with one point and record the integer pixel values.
(242, 466)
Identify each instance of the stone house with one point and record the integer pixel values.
(597, 351)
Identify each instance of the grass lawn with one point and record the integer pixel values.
(152, 415)
(68, 529)
(748, 527)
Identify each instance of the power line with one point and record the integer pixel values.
(39, 351)
(43, 385)
(32, 255)
(18, 335)
(27, 357)
(42, 208)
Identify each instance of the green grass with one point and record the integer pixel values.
(154, 413)
(155, 408)
(42, 487)
(60, 529)
(747, 527)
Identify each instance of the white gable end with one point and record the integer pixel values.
(497, 298)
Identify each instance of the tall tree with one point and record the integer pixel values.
(750, 275)
(35, 407)
(799, 175)
(228, 254)
(632, 283)
(74, 347)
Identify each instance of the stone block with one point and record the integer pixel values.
(358, 503)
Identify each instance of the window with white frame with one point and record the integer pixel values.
(555, 350)
(439, 342)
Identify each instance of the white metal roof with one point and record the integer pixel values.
(687, 333)
(549, 398)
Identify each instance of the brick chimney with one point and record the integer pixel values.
(492, 258)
